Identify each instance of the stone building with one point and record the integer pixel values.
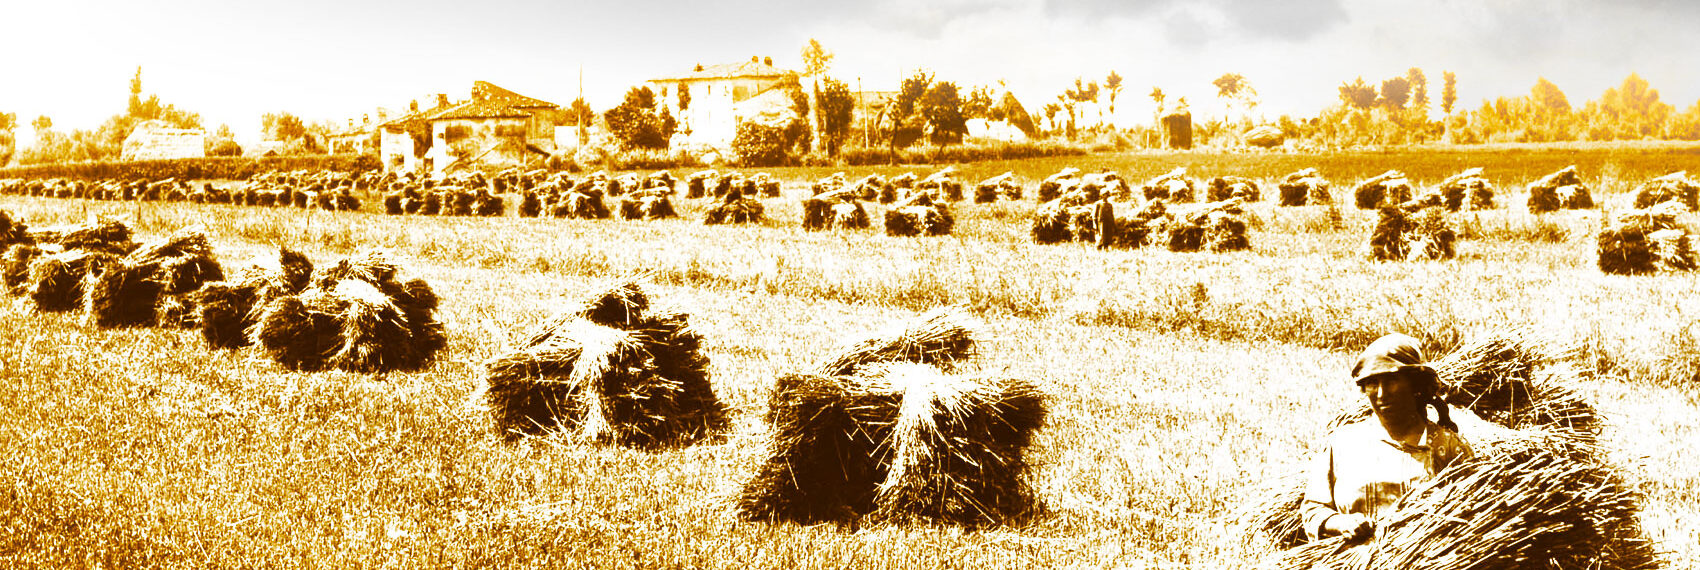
(494, 127)
(709, 102)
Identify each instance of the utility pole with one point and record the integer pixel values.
(583, 137)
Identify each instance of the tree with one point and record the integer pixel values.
(1051, 110)
(906, 123)
(1159, 98)
(1548, 98)
(979, 104)
(285, 127)
(1448, 91)
(577, 111)
(42, 125)
(1232, 87)
(816, 60)
(8, 140)
(1395, 92)
(1419, 89)
(942, 106)
(1113, 85)
(1630, 111)
(1358, 94)
(1082, 92)
(634, 121)
(835, 109)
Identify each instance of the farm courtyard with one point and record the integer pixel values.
(1180, 386)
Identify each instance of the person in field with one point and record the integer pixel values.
(1368, 465)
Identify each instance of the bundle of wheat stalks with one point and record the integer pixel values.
(1172, 186)
(1213, 226)
(837, 208)
(153, 285)
(921, 214)
(1538, 494)
(1391, 187)
(1222, 188)
(229, 310)
(887, 428)
(52, 265)
(357, 316)
(735, 208)
(1559, 190)
(1646, 241)
(943, 185)
(1051, 187)
(610, 369)
(1304, 187)
(648, 204)
(1423, 232)
(1673, 187)
(1467, 190)
(1002, 185)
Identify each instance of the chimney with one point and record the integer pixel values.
(365, 119)
(413, 106)
(442, 99)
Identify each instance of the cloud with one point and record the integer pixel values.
(1203, 21)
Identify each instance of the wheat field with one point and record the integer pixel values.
(1179, 384)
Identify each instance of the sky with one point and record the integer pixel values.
(335, 60)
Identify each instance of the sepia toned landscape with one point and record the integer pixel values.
(1006, 284)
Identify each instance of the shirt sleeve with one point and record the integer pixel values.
(1318, 503)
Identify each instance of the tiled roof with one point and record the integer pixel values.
(486, 91)
(489, 102)
(728, 71)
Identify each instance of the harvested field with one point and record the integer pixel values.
(1176, 383)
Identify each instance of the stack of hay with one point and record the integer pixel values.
(1467, 190)
(1540, 492)
(1391, 187)
(660, 179)
(153, 285)
(889, 429)
(988, 190)
(487, 205)
(1213, 226)
(1646, 241)
(1559, 190)
(356, 316)
(835, 209)
(734, 208)
(1673, 187)
(1172, 186)
(619, 185)
(648, 204)
(611, 369)
(1304, 188)
(762, 184)
(828, 184)
(1079, 213)
(1408, 235)
(530, 204)
(229, 310)
(698, 184)
(919, 215)
(871, 187)
(583, 201)
(899, 187)
(1107, 185)
(1052, 186)
(1226, 187)
(943, 185)
(18, 247)
(63, 258)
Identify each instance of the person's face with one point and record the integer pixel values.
(1393, 394)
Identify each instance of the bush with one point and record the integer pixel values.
(225, 147)
(210, 168)
(760, 145)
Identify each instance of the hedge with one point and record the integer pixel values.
(209, 168)
(962, 153)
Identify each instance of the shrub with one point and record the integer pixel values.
(759, 145)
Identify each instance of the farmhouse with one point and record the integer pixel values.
(494, 127)
(154, 140)
(709, 102)
(355, 138)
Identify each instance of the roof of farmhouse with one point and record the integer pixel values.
(727, 71)
(490, 101)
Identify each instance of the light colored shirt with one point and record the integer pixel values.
(1363, 471)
